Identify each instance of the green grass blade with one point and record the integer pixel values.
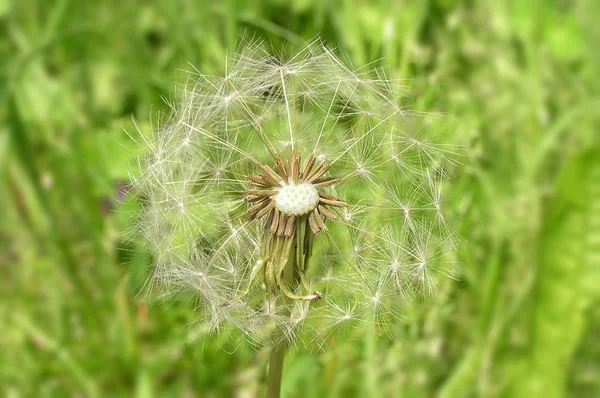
(567, 278)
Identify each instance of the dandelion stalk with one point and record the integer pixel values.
(276, 370)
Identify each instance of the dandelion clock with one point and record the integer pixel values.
(296, 196)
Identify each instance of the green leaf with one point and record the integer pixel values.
(567, 279)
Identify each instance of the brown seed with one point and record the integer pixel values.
(310, 162)
(289, 226)
(282, 223)
(265, 210)
(331, 200)
(270, 217)
(274, 221)
(262, 193)
(318, 172)
(325, 211)
(319, 221)
(283, 171)
(253, 198)
(295, 169)
(325, 182)
(258, 207)
(258, 180)
(270, 176)
(313, 223)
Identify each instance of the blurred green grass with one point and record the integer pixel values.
(517, 80)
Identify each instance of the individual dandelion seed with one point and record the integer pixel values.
(296, 196)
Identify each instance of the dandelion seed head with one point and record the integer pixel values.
(296, 194)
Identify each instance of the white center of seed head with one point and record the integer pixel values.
(296, 199)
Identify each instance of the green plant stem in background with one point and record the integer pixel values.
(278, 351)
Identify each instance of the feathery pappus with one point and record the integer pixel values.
(294, 193)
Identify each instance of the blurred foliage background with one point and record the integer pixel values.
(519, 80)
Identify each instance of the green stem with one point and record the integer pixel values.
(276, 370)
(278, 351)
